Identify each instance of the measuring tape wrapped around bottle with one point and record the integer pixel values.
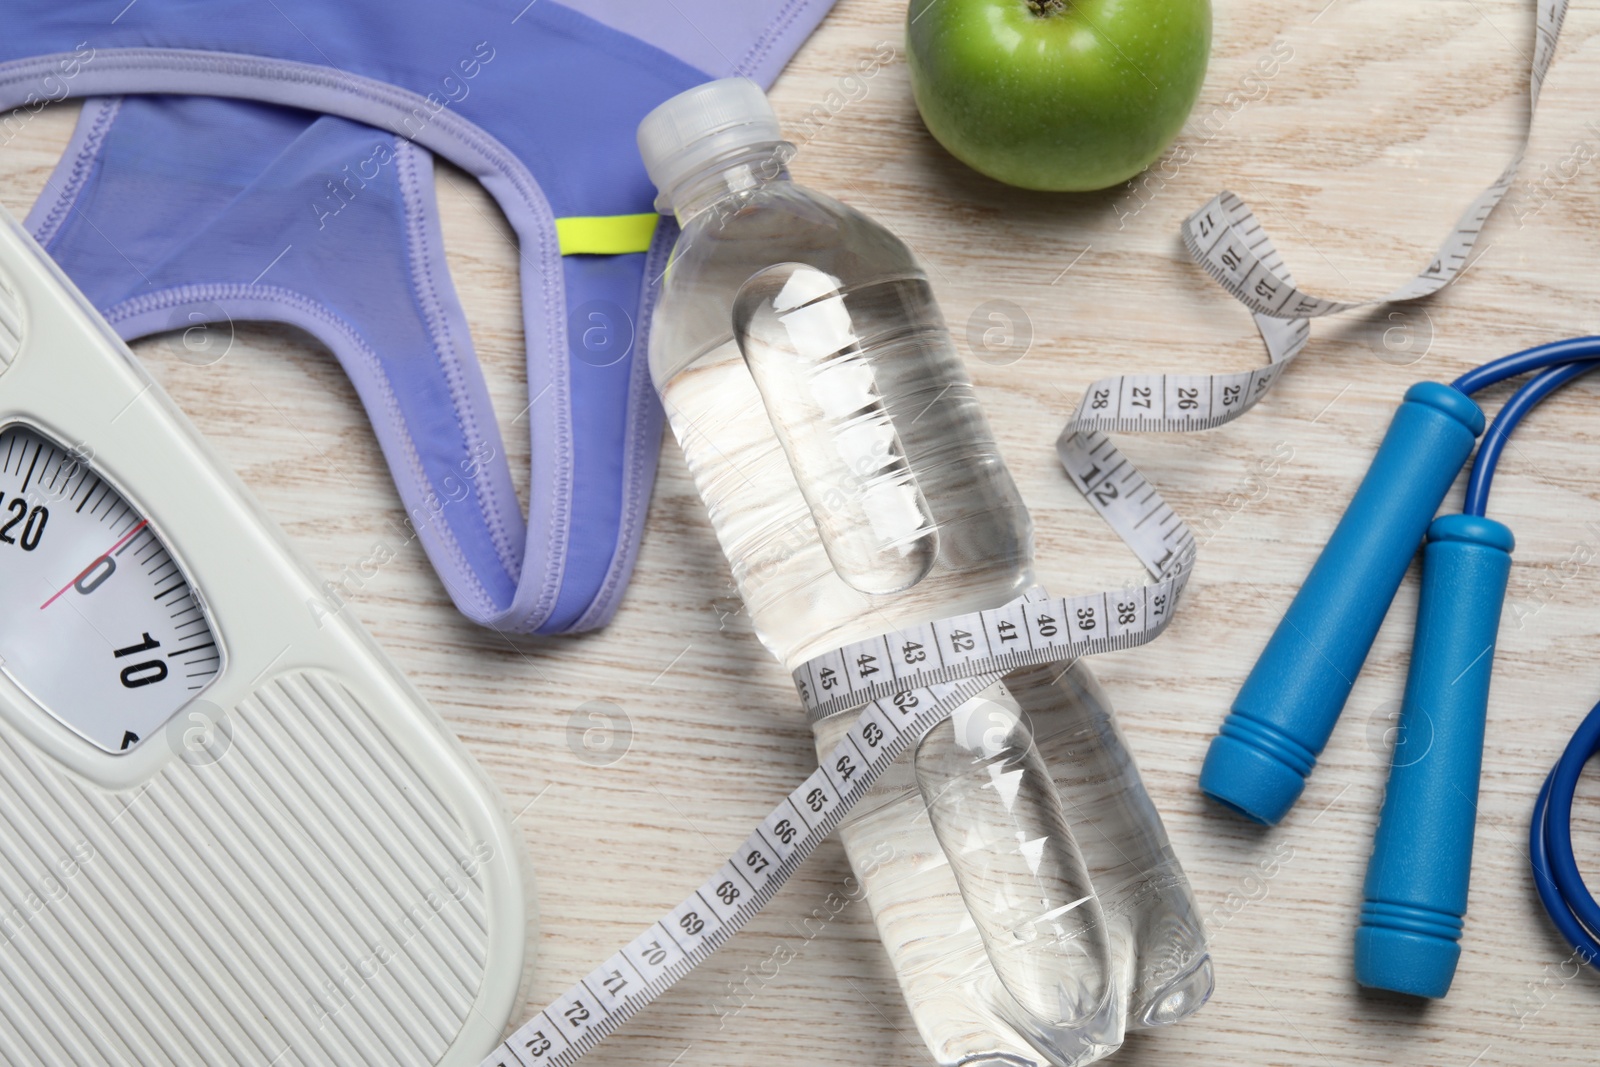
(904, 701)
(966, 654)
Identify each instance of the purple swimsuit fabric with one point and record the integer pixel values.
(273, 162)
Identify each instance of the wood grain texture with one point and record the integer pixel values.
(1377, 125)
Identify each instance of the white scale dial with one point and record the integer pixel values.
(102, 628)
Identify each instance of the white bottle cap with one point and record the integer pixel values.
(701, 125)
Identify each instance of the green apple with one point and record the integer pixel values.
(1057, 94)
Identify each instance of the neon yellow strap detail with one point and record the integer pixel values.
(606, 235)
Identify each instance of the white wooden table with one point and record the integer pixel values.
(1379, 123)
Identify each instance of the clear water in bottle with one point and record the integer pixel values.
(1030, 905)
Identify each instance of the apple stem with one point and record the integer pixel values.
(1044, 8)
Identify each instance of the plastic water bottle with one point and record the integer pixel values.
(1018, 874)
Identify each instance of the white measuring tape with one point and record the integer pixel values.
(909, 681)
(1225, 239)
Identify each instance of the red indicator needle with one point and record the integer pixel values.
(96, 562)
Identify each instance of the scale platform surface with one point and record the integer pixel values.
(230, 831)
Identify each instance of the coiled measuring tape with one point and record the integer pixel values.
(911, 680)
(1226, 240)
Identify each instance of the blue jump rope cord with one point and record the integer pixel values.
(1555, 870)
(1522, 401)
(1572, 350)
